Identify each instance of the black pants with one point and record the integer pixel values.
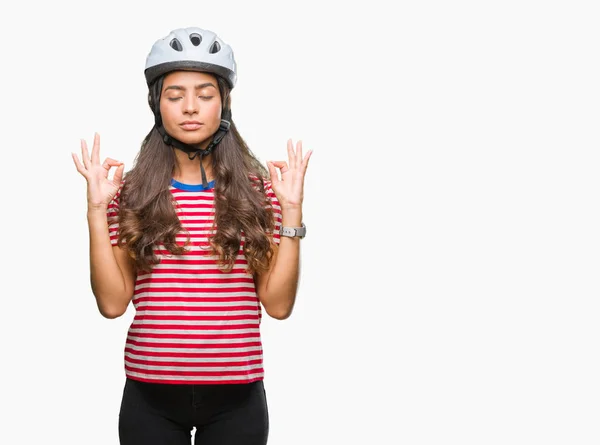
(165, 414)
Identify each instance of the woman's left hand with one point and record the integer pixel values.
(290, 188)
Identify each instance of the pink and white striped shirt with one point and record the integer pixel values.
(194, 324)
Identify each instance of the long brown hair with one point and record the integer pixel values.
(146, 206)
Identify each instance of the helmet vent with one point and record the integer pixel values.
(215, 48)
(195, 39)
(176, 45)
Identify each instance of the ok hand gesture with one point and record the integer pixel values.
(100, 190)
(290, 188)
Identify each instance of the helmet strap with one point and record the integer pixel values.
(190, 149)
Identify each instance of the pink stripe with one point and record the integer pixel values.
(195, 364)
(142, 336)
(144, 344)
(198, 280)
(192, 355)
(193, 309)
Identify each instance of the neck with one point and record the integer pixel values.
(188, 171)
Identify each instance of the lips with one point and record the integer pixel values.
(191, 125)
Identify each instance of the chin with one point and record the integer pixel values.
(190, 137)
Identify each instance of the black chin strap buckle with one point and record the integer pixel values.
(224, 126)
(220, 133)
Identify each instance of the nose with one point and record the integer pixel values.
(190, 104)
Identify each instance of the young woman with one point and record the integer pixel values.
(198, 235)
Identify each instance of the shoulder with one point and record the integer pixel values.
(120, 190)
(267, 185)
(267, 189)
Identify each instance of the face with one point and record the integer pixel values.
(190, 106)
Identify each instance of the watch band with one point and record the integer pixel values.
(292, 232)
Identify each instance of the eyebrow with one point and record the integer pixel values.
(198, 87)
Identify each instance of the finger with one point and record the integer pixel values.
(305, 161)
(118, 177)
(291, 153)
(272, 173)
(299, 154)
(110, 162)
(282, 165)
(96, 150)
(85, 156)
(80, 168)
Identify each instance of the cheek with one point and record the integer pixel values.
(213, 110)
(213, 115)
(167, 114)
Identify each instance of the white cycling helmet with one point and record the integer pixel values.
(192, 49)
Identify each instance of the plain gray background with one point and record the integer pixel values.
(449, 287)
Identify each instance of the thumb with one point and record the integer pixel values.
(272, 173)
(118, 177)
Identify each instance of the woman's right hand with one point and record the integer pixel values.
(100, 190)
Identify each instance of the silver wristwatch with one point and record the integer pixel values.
(292, 232)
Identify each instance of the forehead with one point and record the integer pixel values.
(188, 78)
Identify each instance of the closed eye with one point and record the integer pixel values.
(173, 99)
